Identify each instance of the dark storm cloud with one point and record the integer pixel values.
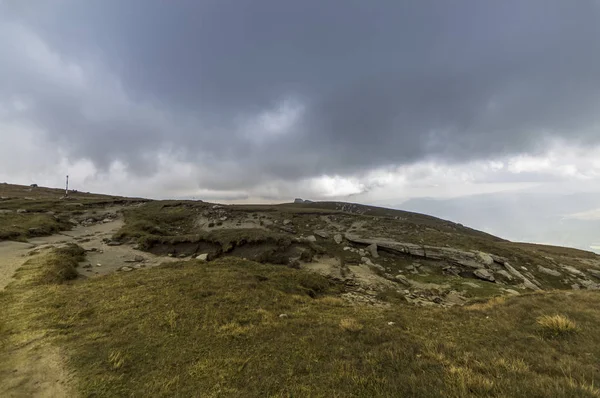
(381, 83)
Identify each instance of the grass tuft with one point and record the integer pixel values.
(556, 325)
(351, 325)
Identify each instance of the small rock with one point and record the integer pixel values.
(366, 260)
(362, 253)
(372, 248)
(170, 255)
(113, 243)
(402, 279)
(20, 211)
(471, 284)
(511, 291)
(391, 323)
(575, 286)
(126, 269)
(287, 222)
(338, 238)
(217, 207)
(311, 238)
(484, 274)
(87, 266)
(139, 259)
(98, 265)
(202, 257)
(347, 248)
(224, 218)
(283, 315)
(182, 255)
(322, 234)
(106, 220)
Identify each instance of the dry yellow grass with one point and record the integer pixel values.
(351, 325)
(556, 325)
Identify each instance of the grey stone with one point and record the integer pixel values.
(224, 218)
(485, 258)
(366, 260)
(548, 271)
(402, 279)
(572, 270)
(202, 257)
(283, 315)
(20, 211)
(594, 272)
(372, 248)
(113, 243)
(126, 269)
(505, 274)
(484, 274)
(311, 238)
(511, 291)
(287, 222)
(322, 234)
(338, 238)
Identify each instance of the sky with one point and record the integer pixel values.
(394, 103)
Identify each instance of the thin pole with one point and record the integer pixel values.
(67, 187)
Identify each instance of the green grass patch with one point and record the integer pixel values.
(238, 328)
(20, 226)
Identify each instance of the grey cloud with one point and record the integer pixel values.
(383, 83)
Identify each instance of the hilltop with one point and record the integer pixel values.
(234, 300)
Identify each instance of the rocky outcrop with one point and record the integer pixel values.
(474, 260)
(526, 282)
(480, 262)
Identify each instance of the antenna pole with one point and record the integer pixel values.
(67, 187)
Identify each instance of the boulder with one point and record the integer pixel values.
(484, 274)
(548, 271)
(485, 258)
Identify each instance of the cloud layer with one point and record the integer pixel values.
(272, 99)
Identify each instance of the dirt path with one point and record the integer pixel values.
(30, 366)
(11, 258)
